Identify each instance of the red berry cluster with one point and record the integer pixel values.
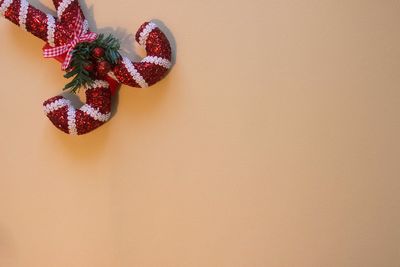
(98, 67)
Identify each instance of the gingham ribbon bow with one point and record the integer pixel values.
(81, 35)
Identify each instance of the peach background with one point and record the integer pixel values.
(274, 141)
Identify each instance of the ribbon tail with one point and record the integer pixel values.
(92, 36)
(67, 60)
(65, 65)
(53, 52)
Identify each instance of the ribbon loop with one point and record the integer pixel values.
(80, 35)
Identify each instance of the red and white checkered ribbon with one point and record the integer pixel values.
(81, 35)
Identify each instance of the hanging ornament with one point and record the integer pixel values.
(98, 52)
(103, 67)
(89, 67)
(91, 60)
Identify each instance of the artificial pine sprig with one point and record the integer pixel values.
(111, 46)
(82, 56)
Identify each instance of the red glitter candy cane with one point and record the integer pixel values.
(61, 33)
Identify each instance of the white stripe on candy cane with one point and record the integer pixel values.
(95, 113)
(51, 28)
(63, 6)
(157, 61)
(145, 33)
(134, 73)
(56, 105)
(6, 4)
(72, 120)
(23, 14)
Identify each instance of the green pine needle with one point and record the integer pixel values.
(82, 55)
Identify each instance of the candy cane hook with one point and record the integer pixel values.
(90, 116)
(60, 32)
(154, 66)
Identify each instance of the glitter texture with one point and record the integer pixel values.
(59, 118)
(65, 26)
(85, 123)
(36, 23)
(57, 3)
(98, 99)
(157, 45)
(12, 13)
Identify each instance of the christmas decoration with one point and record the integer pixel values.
(103, 67)
(98, 52)
(91, 60)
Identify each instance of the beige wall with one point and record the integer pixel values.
(274, 142)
